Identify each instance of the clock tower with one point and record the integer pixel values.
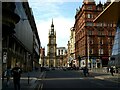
(51, 52)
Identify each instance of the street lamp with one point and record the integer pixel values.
(79, 58)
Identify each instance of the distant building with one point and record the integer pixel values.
(93, 41)
(61, 57)
(71, 48)
(51, 47)
(42, 57)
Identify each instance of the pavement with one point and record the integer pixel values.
(103, 75)
(25, 82)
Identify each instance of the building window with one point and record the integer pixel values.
(101, 42)
(110, 33)
(90, 32)
(62, 52)
(58, 52)
(100, 32)
(91, 51)
(91, 41)
(89, 24)
(100, 51)
(89, 7)
(89, 16)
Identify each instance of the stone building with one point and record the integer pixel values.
(93, 41)
(71, 48)
(51, 46)
(42, 57)
(61, 57)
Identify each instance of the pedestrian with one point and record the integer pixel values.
(112, 71)
(107, 69)
(8, 75)
(85, 71)
(16, 73)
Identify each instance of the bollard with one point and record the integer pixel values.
(28, 77)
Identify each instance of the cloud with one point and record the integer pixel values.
(62, 27)
(43, 13)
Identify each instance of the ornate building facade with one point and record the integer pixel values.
(61, 57)
(51, 52)
(93, 41)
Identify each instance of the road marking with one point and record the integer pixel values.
(99, 77)
(66, 78)
(41, 87)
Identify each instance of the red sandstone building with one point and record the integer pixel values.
(93, 41)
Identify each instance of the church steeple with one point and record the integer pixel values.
(51, 53)
(52, 28)
(52, 25)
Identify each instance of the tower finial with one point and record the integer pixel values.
(52, 20)
(52, 23)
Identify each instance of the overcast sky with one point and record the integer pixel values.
(62, 12)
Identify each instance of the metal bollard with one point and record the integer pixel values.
(28, 77)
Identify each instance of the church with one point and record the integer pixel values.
(56, 56)
(51, 47)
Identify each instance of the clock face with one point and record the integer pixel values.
(51, 49)
(52, 32)
(52, 41)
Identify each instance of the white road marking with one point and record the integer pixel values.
(66, 78)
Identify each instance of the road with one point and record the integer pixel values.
(71, 79)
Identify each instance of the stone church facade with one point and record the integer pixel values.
(51, 47)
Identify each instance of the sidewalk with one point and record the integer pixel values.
(25, 84)
(103, 75)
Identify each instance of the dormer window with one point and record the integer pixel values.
(89, 7)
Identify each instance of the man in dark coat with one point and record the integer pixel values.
(112, 71)
(16, 73)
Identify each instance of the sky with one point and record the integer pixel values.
(63, 14)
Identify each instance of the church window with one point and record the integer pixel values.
(89, 7)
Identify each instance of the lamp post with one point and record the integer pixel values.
(88, 49)
(79, 58)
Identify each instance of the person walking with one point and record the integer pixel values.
(112, 71)
(16, 73)
(8, 75)
(85, 71)
(107, 69)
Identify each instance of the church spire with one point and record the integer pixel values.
(52, 28)
(52, 25)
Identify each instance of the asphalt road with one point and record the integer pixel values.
(59, 79)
